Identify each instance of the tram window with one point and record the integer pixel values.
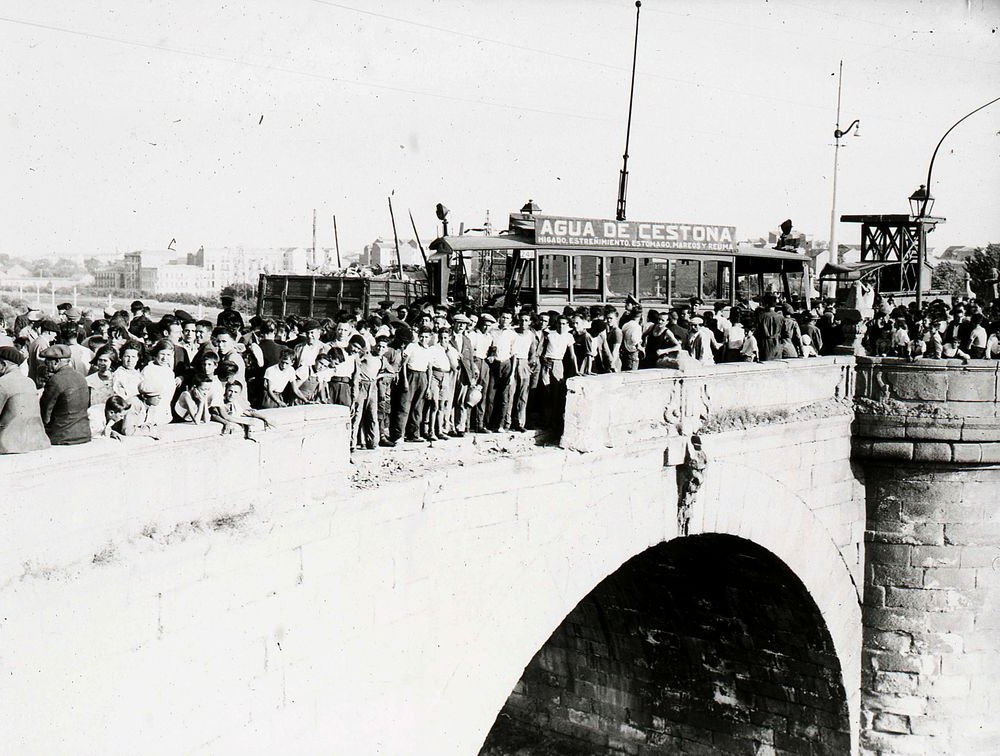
(528, 277)
(747, 287)
(683, 280)
(773, 284)
(587, 278)
(653, 279)
(621, 277)
(715, 280)
(553, 274)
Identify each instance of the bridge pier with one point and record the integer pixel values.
(928, 436)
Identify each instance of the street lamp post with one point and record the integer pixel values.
(837, 134)
(921, 203)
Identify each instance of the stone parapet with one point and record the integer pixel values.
(943, 411)
(79, 503)
(618, 409)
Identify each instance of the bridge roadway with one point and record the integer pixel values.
(618, 593)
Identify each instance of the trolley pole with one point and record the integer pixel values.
(623, 175)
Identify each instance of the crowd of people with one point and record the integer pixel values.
(407, 373)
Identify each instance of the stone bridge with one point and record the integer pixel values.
(794, 557)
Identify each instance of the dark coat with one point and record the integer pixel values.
(21, 428)
(769, 326)
(468, 370)
(64, 406)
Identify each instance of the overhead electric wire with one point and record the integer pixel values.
(849, 41)
(296, 72)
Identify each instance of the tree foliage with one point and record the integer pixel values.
(949, 277)
(240, 291)
(982, 267)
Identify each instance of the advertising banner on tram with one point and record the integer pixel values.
(558, 231)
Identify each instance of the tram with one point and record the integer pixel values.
(552, 261)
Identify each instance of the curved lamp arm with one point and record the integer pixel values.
(923, 209)
(837, 134)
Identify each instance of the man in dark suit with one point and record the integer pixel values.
(65, 400)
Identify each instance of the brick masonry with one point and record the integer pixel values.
(930, 441)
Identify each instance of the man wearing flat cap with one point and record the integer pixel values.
(229, 317)
(65, 400)
(47, 332)
(21, 428)
(467, 374)
(26, 326)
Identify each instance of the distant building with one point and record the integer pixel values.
(174, 278)
(132, 263)
(226, 266)
(383, 253)
(164, 271)
(111, 277)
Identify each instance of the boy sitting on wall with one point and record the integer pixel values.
(234, 413)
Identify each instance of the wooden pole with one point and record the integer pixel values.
(336, 240)
(399, 260)
(314, 240)
(417, 237)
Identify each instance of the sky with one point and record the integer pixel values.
(129, 124)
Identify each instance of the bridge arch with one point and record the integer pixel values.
(705, 643)
(737, 501)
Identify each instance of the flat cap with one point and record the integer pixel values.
(149, 388)
(11, 354)
(57, 352)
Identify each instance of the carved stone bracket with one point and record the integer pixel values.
(687, 408)
(690, 476)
